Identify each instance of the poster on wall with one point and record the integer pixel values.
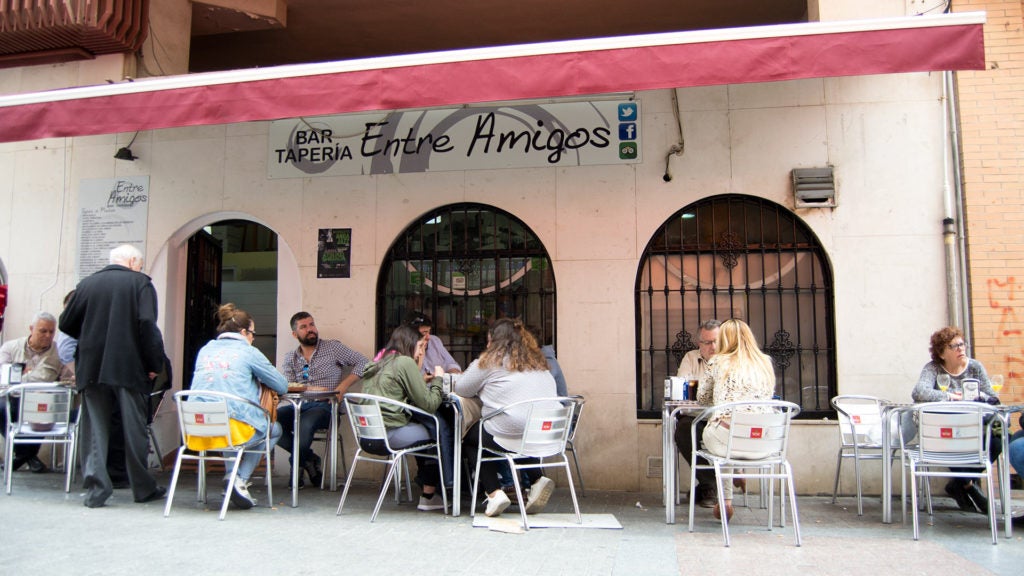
(598, 132)
(112, 211)
(334, 253)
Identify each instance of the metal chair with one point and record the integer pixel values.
(860, 433)
(203, 414)
(952, 434)
(43, 417)
(760, 427)
(570, 443)
(547, 430)
(372, 444)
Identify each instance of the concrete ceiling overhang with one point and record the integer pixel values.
(545, 70)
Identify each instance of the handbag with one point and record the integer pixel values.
(269, 401)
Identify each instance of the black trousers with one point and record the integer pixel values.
(22, 452)
(99, 403)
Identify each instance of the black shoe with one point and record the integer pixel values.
(157, 494)
(958, 492)
(18, 463)
(978, 498)
(312, 467)
(36, 465)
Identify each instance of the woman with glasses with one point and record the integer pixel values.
(942, 380)
(231, 364)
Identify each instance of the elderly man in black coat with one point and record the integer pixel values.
(120, 350)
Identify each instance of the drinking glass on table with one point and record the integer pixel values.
(997, 383)
(943, 381)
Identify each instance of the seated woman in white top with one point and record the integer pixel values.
(511, 369)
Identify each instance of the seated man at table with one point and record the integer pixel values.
(320, 365)
(692, 366)
(39, 355)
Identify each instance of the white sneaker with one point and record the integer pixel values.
(497, 504)
(429, 504)
(540, 493)
(240, 496)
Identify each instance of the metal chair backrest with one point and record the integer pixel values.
(548, 424)
(760, 427)
(366, 418)
(204, 414)
(576, 418)
(953, 433)
(44, 407)
(860, 419)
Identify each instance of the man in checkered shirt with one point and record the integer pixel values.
(321, 365)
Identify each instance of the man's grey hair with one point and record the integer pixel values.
(124, 253)
(43, 316)
(710, 325)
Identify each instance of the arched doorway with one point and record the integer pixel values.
(230, 261)
(465, 265)
(736, 256)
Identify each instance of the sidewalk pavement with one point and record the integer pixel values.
(49, 532)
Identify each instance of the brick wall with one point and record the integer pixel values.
(992, 131)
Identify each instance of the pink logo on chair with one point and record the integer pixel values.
(546, 425)
(756, 432)
(945, 432)
(855, 418)
(363, 421)
(200, 419)
(42, 407)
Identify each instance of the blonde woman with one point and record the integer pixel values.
(738, 372)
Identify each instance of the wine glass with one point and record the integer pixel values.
(997, 383)
(943, 380)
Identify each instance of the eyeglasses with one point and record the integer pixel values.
(707, 342)
(305, 372)
(250, 331)
(957, 346)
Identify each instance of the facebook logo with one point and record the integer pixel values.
(627, 111)
(627, 131)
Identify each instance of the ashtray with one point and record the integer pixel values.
(42, 426)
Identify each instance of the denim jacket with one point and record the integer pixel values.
(230, 364)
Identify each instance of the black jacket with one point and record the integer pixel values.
(113, 316)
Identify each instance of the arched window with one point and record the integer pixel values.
(735, 256)
(465, 265)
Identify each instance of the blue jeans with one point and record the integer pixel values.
(1016, 453)
(251, 459)
(315, 416)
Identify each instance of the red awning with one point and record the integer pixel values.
(557, 69)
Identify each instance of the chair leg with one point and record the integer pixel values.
(721, 504)
(572, 491)
(792, 501)
(395, 462)
(231, 484)
(8, 460)
(174, 482)
(856, 468)
(519, 492)
(839, 469)
(348, 482)
(579, 474)
(913, 498)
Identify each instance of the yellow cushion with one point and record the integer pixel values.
(241, 433)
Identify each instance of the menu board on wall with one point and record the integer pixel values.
(112, 211)
(334, 253)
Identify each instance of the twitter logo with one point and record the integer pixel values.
(627, 111)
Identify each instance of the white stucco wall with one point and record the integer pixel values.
(883, 134)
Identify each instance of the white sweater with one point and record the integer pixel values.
(498, 387)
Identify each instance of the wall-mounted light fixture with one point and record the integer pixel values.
(814, 188)
(126, 152)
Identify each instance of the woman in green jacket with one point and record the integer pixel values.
(395, 374)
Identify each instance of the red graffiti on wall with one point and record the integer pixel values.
(1002, 296)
